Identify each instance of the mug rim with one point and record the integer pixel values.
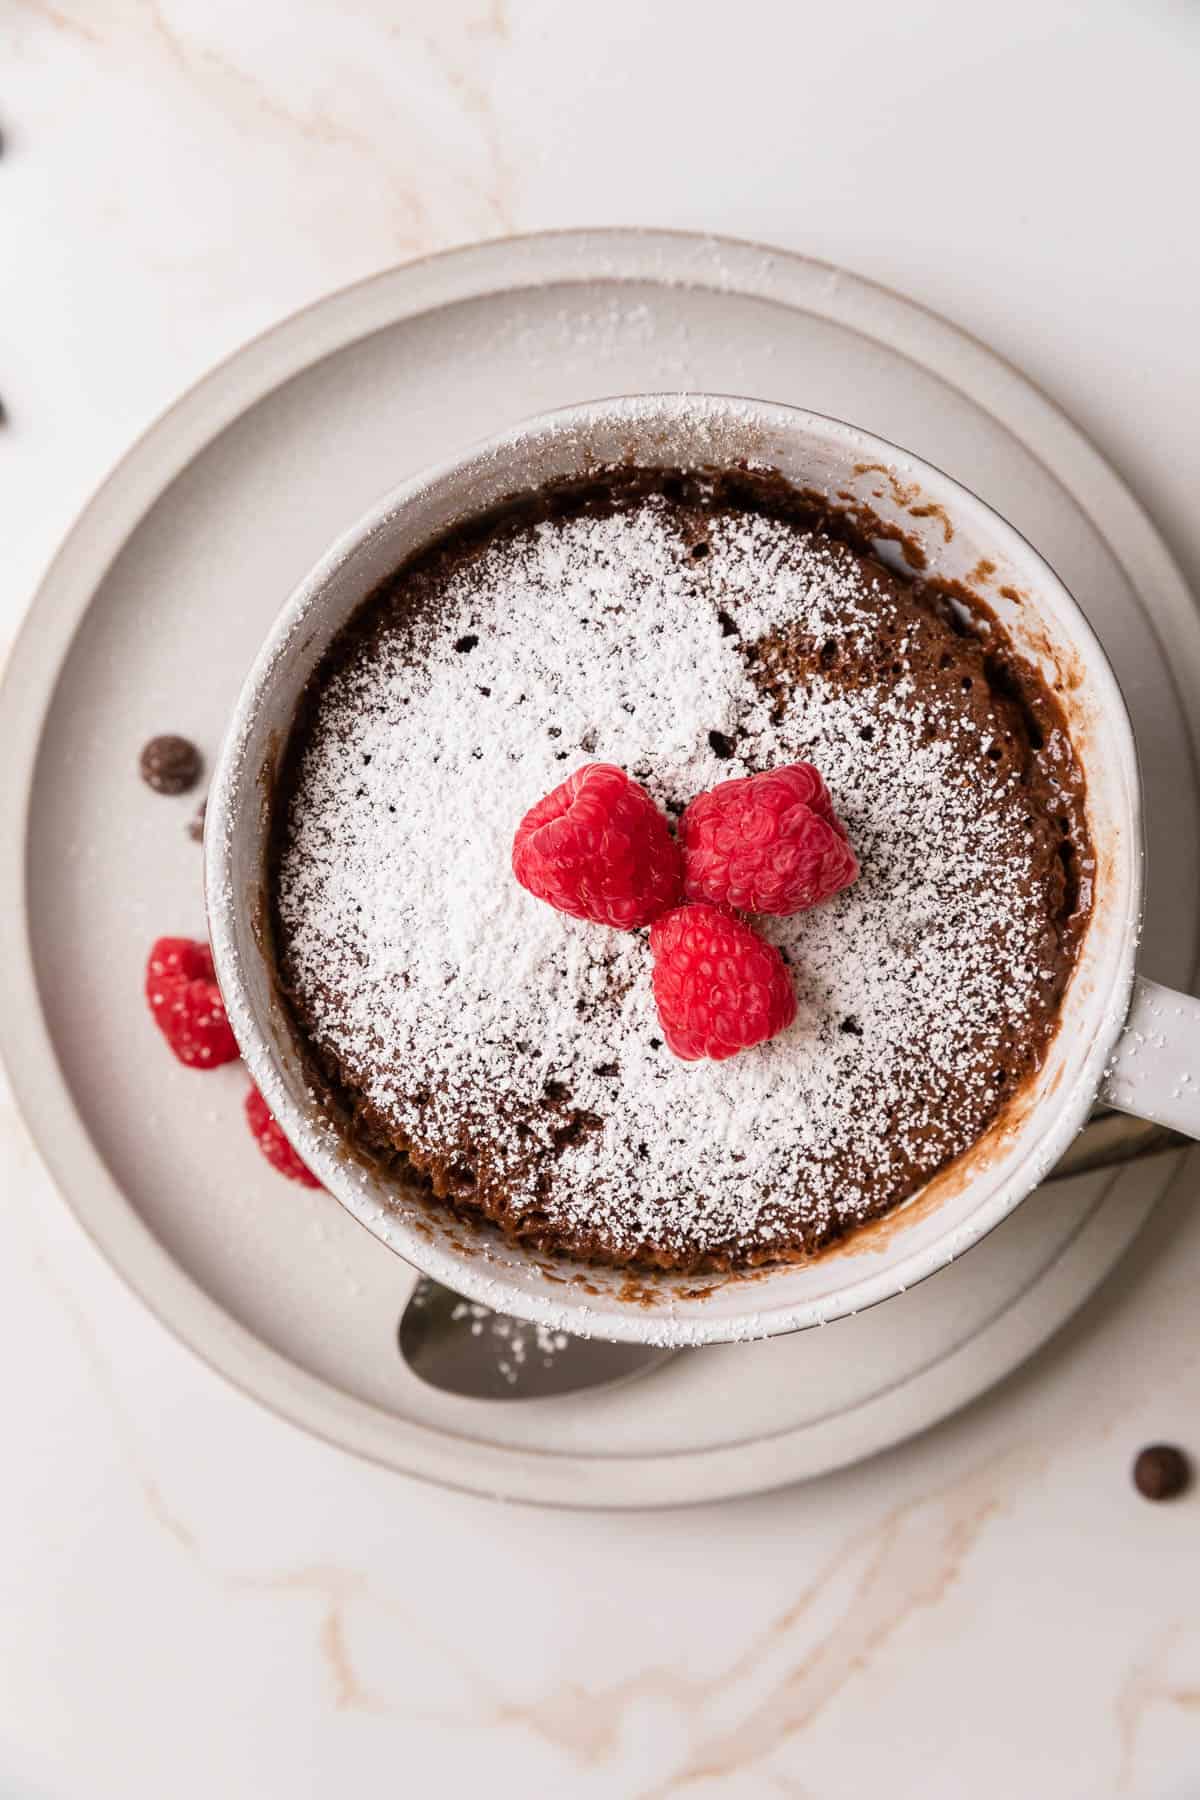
(234, 786)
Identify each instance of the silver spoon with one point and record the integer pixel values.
(467, 1349)
(1112, 1138)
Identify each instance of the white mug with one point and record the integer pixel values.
(1121, 1038)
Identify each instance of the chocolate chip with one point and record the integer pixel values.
(722, 746)
(1161, 1471)
(728, 628)
(466, 643)
(195, 828)
(170, 765)
(851, 1027)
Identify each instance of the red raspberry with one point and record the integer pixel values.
(719, 987)
(598, 848)
(186, 1003)
(273, 1144)
(770, 843)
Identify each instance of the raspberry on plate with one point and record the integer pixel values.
(769, 843)
(720, 988)
(598, 848)
(186, 1003)
(271, 1141)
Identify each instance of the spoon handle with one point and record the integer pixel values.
(1112, 1138)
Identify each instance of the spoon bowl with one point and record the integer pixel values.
(462, 1347)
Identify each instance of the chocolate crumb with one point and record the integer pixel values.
(170, 764)
(1161, 1472)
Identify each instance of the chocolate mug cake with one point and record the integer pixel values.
(688, 627)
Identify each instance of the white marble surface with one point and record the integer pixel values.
(195, 1599)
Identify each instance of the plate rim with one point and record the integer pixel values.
(123, 498)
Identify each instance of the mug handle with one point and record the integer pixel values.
(1155, 1068)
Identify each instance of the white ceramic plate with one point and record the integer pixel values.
(148, 621)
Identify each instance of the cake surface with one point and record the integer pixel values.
(689, 630)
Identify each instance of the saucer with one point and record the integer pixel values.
(147, 622)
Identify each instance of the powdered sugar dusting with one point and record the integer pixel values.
(521, 1048)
